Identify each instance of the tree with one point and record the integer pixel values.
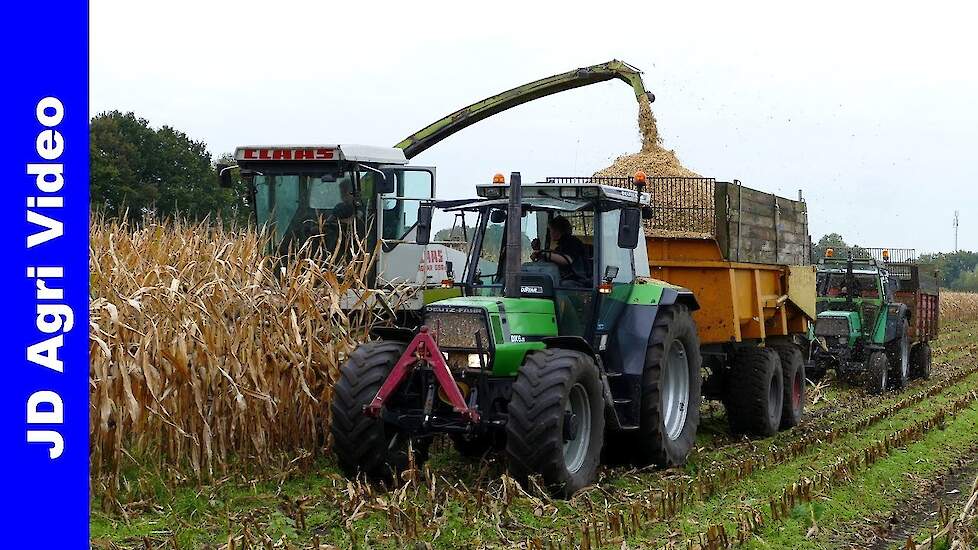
(956, 268)
(833, 241)
(138, 170)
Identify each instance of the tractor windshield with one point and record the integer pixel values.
(833, 285)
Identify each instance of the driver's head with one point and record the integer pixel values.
(559, 227)
(345, 208)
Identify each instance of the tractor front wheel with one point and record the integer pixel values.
(899, 356)
(920, 360)
(556, 420)
(364, 443)
(877, 368)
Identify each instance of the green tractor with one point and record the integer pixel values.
(875, 320)
(547, 360)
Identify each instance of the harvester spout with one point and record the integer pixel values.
(514, 238)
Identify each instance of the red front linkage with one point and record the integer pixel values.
(422, 349)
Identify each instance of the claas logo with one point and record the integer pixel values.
(273, 153)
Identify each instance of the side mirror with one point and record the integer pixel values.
(423, 235)
(629, 227)
(497, 216)
(224, 175)
(385, 184)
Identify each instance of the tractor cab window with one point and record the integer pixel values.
(833, 285)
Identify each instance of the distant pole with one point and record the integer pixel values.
(956, 223)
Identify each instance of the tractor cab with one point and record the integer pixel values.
(577, 243)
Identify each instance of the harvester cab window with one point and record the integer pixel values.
(400, 208)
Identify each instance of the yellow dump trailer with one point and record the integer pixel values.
(739, 301)
(746, 256)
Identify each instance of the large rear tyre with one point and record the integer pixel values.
(755, 394)
(671, 390)
(793, 376)
(556, 420)
(899, 357)
(361, 443)
(877, 373)
(920, 360)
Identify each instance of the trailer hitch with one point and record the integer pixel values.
(422, 349)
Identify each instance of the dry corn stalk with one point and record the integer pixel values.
(203, 348)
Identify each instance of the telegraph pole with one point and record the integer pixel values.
(956, 222)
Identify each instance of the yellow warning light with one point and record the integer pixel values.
(886, 255)
(499, 178)
(829, 252)
(640, 177)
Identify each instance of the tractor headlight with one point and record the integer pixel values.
(474, 362)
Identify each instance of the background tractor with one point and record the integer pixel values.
(554, 360)
(876, 317)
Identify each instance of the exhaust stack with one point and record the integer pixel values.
(514, 238)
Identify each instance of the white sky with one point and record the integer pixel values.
(867, 107)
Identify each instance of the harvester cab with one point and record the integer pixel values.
(547, 352)
(862, 328)
(340, 200)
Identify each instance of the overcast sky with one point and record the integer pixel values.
(868, 108)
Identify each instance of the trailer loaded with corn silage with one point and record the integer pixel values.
(554, 361)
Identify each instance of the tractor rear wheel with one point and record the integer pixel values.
(877, 368)
(920, 360)
(899, 356)
(793, 374)
(364, 443)
(556, 420)
(671, 390)
(755, 394)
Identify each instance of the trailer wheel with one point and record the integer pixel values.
(899, 356)
(364, 444)
(671, 390)
(877, 368)
(920, 360)
(793, 374)
(556, 420)
(755, 394)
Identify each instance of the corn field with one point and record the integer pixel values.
(958, 306)
(203, 350)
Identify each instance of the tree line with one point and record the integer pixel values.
(137, 171)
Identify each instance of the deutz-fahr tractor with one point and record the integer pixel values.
(875, 319)
(539, 357)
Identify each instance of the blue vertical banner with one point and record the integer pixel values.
(44, 166)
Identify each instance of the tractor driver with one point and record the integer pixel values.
(568, 252)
